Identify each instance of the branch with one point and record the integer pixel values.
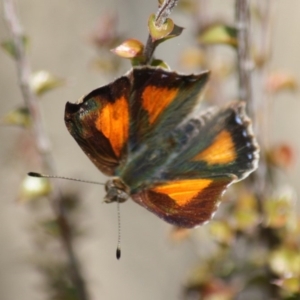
(164, 11)
(42, 143)
(161, 16)
(244, 62)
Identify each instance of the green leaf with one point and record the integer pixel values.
(9, 47)
(160, 63)
(19, 116)
(219, 34)
(43, 81)
(160, 32)
(177, 30)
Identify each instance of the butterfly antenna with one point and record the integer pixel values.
(39, 175)
(118, 251)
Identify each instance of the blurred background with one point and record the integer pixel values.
(61, 32)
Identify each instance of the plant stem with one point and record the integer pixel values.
(42, 143)
(148, 51)
(164, 11)
(160, 17)
(244, 63)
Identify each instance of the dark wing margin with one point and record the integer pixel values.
(222, 143)
(185, 203)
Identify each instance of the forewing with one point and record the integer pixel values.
(113, 121)
(100, 124)
(184, 203)
(159, 100)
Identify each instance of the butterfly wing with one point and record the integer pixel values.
(209, 153)
(176, 164)
(221, 142)
(159, 100)
(184, 203)
(100, 124)
(114, 120)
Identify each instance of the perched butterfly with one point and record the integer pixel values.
(146, 130)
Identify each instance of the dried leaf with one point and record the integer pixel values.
(282, 155)
(218, 289)
(281, 81)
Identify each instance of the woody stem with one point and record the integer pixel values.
(244, 62)
(43, 144)
(160, 17)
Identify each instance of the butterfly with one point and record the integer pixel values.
(147, 131)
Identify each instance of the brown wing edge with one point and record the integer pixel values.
(246, 143)
(197, 211)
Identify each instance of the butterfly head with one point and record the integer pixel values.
(116, 191)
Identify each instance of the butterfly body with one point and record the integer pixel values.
(147, 131)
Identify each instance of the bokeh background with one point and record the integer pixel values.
(152, 266)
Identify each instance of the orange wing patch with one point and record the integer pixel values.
(113, 122)
(222, 150)
(183, 191)
(156, 99)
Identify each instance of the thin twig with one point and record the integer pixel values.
(160, 17)
(261, 101)
(149, 50)
(261, 97)
(42, 142)
(164, 11)
(244, 62)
